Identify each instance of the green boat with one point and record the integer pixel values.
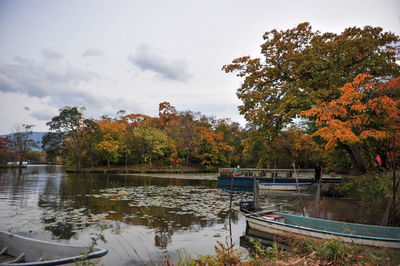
(281, 224)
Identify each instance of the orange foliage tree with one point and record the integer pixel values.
(363, 113)
(210, 147)
(167, 113)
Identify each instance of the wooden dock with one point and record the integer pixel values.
(247, 176)
(269, 173)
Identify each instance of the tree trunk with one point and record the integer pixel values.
(79, 155)
(126, 162)
(357, 161)
(108, 163)
(187, 158)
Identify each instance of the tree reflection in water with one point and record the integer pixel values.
(70, 201)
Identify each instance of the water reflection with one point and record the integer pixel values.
(152, 216)
(66, 204)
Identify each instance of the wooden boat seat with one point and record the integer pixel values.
(274, 217)
(260, 212)
(6, 259)
(3, 251)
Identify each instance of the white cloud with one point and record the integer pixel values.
(51, 55)
(92, 53)
(60, 82)
(149, 59)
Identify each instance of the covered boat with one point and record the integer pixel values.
(280, 224)
(20, 250)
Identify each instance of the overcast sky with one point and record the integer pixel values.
(132, 55)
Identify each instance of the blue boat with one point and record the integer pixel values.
(288, 225)
(237, 181)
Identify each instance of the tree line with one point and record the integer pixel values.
(174, 138)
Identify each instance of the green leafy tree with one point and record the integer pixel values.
(153, 143)
(52, 143)
(71, 123)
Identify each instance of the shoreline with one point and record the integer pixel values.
(189, 176)
(141, 171)
(13, 166)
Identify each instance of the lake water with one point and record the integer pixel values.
(145, 219)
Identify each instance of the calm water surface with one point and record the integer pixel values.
(147, 218)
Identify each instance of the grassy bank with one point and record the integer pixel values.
(374, 187)
(12, 166)
(301, 252)
(369, 186)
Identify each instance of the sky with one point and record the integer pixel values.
(132, 55)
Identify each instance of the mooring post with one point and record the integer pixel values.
(298, 190)
(230, 211)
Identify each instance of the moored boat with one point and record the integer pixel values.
(288, 225)
(283, 186)
(20, 250)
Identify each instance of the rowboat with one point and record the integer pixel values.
(282, 225)
(283, 186)
(20, 250)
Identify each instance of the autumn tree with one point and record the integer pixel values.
(305, 151)
(210, 148)
(363, 113)
(300, 67)
(187, 130)
(167, 113)
(21, 141)
(4, 149)
(233, 136)
(112, 145)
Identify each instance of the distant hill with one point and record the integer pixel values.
(35, 136)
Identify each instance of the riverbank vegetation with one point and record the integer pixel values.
(300, 252)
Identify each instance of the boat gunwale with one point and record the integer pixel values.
(323, 231)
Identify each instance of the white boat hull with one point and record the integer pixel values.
(282, 186)
(28, 251)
